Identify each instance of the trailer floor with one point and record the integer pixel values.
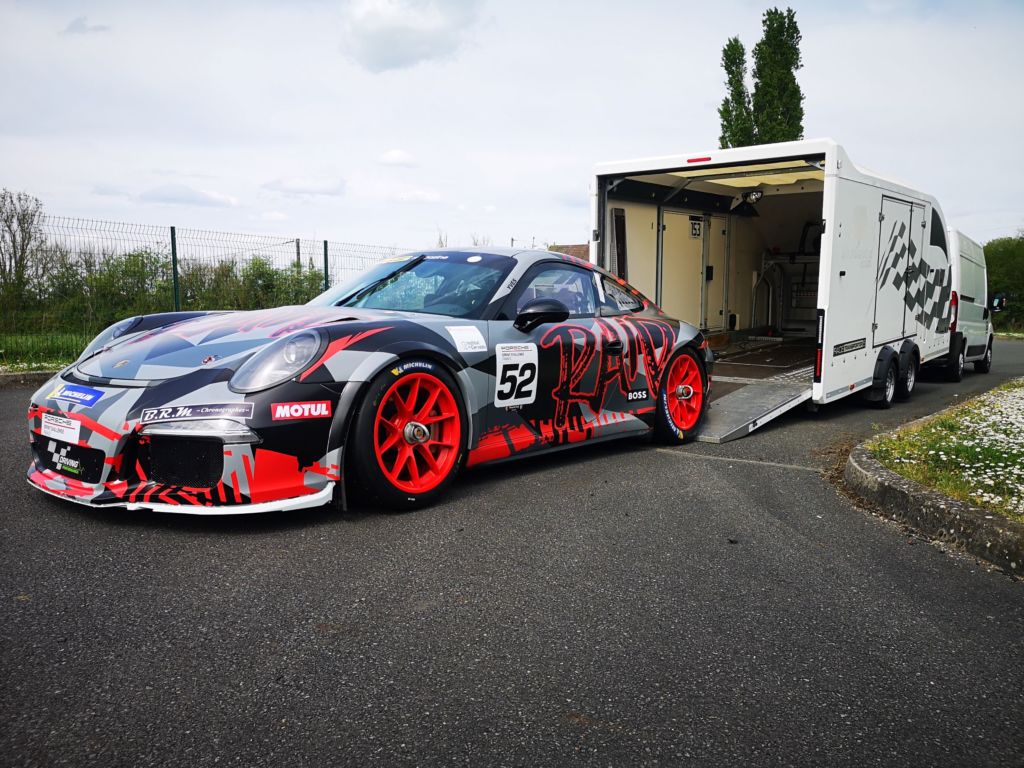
(753, 382)
(789, 359)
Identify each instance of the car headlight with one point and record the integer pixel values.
(223, 429)
(278, 362)
(107, 335)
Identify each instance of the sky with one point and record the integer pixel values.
(393, 121)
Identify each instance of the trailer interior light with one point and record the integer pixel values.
(752, 196)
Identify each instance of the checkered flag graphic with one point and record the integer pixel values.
(925, 290)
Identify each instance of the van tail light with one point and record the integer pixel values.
(954, 311)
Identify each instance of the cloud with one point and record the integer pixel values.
(306, 187)
(397, 157)
(110, 190)
(382, 35)
(179, 194)
(81, 26)
(416, 196)
(273, 216)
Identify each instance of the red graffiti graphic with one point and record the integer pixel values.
(578, 347)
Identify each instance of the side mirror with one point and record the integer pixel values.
(540, 311)
(998, 302)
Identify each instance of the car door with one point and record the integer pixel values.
(551, 382)
(648, 342)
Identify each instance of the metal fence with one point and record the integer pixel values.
(81, 275)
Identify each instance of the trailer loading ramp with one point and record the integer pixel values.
(753, 386)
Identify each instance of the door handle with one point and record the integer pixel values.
(614, 347)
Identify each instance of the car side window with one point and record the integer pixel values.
(570, 285)
(617, 300)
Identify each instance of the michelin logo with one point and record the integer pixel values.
(73, 393)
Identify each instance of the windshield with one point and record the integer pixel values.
(451, 283)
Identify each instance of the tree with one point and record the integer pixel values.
(775, 112)
(21, 218)
(734, 114)
(1004, 257)
(778, 102)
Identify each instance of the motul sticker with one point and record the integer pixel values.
(315, 409)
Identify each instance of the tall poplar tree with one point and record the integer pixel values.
(775, 112)
(735, 116)
(778, 102)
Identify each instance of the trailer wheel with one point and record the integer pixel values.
(985, 364)
(905, 383)
(888, 391)
(681, 405)
(955, 371)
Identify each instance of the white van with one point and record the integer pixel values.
(970, 318)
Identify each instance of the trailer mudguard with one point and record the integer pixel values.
(909, 355)
(877, 389)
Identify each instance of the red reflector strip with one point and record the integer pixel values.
(699, 160)
(819, 353)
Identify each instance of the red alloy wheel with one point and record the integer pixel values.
(417, 432)
(684, 392)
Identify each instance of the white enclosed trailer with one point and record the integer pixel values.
(814, 278)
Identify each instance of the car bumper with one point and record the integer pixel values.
(316, 499)
(109, 459)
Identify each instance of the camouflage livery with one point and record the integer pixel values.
(151, 420)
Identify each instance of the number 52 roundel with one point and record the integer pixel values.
(516, 374)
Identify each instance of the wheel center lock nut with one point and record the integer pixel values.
(415, 433)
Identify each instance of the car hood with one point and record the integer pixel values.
(212, 341)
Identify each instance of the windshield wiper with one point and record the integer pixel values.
(368, 289)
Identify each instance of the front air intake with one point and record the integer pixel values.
(189, 462)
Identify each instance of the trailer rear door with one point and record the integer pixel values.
(899, 249)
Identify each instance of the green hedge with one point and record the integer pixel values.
(53, 315)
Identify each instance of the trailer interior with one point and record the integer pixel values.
(733, 250)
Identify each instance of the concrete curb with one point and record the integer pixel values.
(25, 379)
(991, 537)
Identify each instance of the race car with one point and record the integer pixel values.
(392, 382)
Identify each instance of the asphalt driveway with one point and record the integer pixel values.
(619, 604)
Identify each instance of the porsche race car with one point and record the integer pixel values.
(393, 381)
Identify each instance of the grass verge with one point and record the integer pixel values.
(973, 452)
(23, 352)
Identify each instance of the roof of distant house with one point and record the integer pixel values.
(580, 251)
